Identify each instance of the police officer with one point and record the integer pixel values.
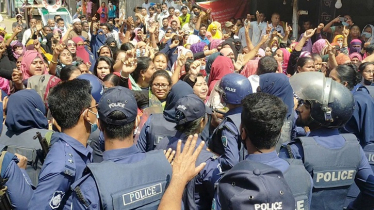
(161, 125)
(334, 161)
(146, 174)
(74, 109)
(25, 112)
(225, 139)
(191, 117)
(262, 120)
(253, 185)
(15, 179)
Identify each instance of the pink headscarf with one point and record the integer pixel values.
(16, 44)
(355, 55)
(260, 52)
(226, 51)
(215, 42)
(305, 54)
(318, 46)
(286, 58)
(81, 51)
(27, 59)
(136, 34)
(4, 85)
(250, 68)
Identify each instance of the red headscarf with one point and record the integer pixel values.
(220, 67)
(81, 51)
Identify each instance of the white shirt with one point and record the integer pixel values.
(26, 36)
(149, 20)
(257, 30)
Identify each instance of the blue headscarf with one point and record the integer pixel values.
(97, 41)
(178, 90)
(278, 85)
(25, 110)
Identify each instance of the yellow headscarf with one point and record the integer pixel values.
(335, 40)
(47, 55)
(218, 34)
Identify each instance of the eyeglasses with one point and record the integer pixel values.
(369, 72)
(163, 86)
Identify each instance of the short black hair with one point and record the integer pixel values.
(267, 64)
(142, 66)
(108, 60)
(118, 132)
(127, 46)
(302, 61)
(67, 71)
(114, 79)
(55, 17)
(59, 20)
(68, 100)
(171, 8)
(151, 9)
(190, 128)
(164, 19)
(370, 49)
(262, 118)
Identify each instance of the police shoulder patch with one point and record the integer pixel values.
(224, 141)
(56, 199)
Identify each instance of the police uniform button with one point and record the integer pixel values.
(70, 155)
(257, 172)
(233, 184)
(71, 161)
(281, 192)
(251, 197)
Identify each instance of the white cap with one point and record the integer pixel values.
(76, 20)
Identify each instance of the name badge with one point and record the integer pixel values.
(141, 194)
(333, 178)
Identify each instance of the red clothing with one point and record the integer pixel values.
(103, 16)
(220, 67)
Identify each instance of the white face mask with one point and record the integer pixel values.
(273, 49)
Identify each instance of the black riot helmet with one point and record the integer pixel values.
(331, 103)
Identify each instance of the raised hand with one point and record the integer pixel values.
(345, 32)
(129, 62)
(309, 33)
(268, 28)
(17, 76)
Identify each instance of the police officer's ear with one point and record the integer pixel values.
(243, 133)
(137, 121)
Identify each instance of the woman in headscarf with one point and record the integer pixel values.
(138, 36)
(215, 43)
(111, 42)
(356, 58)
(214, 31)
(355, 46)
(103, 11)
(25, 115)
(97, 41)
(81, 52)
(193, 39)
(18, 49)
(198, 47)
(279, 85)
(250, 68)
(34, 44)
(282, 55)
(367, 34)
(319, 47)
(338, 39)
(32, 64)
(220, 67)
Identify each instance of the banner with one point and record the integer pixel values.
(224, 10)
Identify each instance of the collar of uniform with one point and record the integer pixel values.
(324, 132)
(234, 111)
(115, 154)
(181, 136)
(76, 145)
(263, 157)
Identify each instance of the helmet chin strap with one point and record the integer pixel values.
(325, 100)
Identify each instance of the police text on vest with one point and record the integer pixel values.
(141, 194)
(269, 206)
(335, 176)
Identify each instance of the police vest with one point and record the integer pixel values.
(158, 129)
(138, 185)
(333, 170)
(188, 198)
(298, 179)
(25, 145)
(215, 142)
(369, 152)
(371, 90)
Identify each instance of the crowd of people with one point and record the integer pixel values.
(170, 109)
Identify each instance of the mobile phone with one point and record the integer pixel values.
(342, 19)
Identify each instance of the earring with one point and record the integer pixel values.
(143, 78)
